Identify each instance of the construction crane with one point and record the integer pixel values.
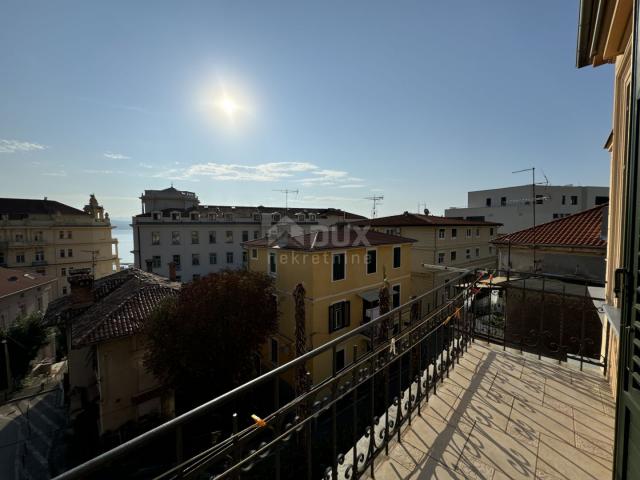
(377, 200)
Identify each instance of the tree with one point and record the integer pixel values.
(24, 338)
(205, 341)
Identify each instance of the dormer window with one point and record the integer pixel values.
(194, 216)
(156, 215)
(175, 216)
(275, 217)
(312, 217)
(228, 217)
(257, 217)
(300, 217)
(212, 217)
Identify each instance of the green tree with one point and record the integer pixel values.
(205, 341)
(24, 339)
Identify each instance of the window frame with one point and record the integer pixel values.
(346, 315)
(155, 238)
(344, 269)
(232, 258)
(375, 263)
(397, 248)
(213, 256)
(272, 271)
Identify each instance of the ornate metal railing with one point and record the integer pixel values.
(335, 427)
(548, 315)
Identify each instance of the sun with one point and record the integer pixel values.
(228, 106)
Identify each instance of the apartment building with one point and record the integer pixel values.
(23, 293)
(342, 271)
(442, 245)
(513, 206)
(50, 238)
(200, 239)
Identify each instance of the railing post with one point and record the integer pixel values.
(541, 324)
(582, 320)
(276, 405)
(606, 350)
(562, 307)
(354, 406)
(334, 433)
(179, 445)
(236, 448)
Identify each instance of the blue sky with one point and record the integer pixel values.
(414, 100)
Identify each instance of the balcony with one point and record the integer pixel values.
(39, 263)
(468, 380)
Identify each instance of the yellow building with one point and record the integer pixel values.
(342, 272)
(51, 238)
(442, 246)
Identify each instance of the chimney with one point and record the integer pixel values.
(172, 271)
(81, 281)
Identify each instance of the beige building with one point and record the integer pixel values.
(342, 273)
(50, 238)
(102, 320)
(442, 246)
(23, 293)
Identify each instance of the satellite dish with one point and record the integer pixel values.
(426, 211)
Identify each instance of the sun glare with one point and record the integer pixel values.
(228, 106)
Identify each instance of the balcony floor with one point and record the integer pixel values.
(502, 415)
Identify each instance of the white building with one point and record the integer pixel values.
(201, 239)
(512, 206)
(23, 293)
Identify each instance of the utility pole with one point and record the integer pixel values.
(377, 200)
(286, 198)
(533, 203)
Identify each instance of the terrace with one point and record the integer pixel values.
(479, 378)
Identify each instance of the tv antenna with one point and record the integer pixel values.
(534, 200)
(94, 254)
(376, 199)
(286, 198)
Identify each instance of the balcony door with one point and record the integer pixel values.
(627, 445)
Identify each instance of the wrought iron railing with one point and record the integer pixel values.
(281, 425)
(549, 315)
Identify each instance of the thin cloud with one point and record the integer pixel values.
(266, 172)
(145, 165)
(13, 146)
(61, 173)
(116, 156)
(103, 172)
(351, 185)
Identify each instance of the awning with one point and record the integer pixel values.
(369, 295)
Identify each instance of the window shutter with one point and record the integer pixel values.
(331, 314)
(347, 313)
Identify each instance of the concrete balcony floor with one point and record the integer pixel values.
(502, 415)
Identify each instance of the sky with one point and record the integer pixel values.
(415, 101)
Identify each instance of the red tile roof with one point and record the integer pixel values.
(418, 220)
(582, 229)
(330, 240)
(122, 302)
(13, 281)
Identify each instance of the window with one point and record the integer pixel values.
(211, 217)
(469, 233)
(69, 234)
(392, 231)
(256, 217)
(488, 202)
(312, 217)
(38, 236)
(245, 235)
(212, 237)
(468, 254)
(19, 257)
(339, 315)
(156, 261)
(339, 363)
(60, 234)
(178, 278)
(300, 217)
(574, 199)
(63, 272)
(490, 250)
(39, 256)
(397, 257)
(175, 238)
(441, 233)
(555, 215)
(176, 261)
(273, 264)
(395, 296)
(245, 256)
(256, 234)
(453, 255)
(213, 258)
(69, 253)
(275, 217)
(539, 199)
(195, 238)
(254, 253)
(194, 216)
(195, 259)
(491, 232)
(338, 267)
(372, 261)
(175, 216)
(155, 238)
(503, 201)
(454, 233)
(600, 200)
(228, 217)
(477, 252)
(440, 257)
(477, 232)
(1, 258)
(19, 237)
(229, 257)
(196, 276)
(229, 236)
(62, 253)
(64, 290)
(274, 351)
(156, 215)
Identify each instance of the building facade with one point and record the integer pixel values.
(342, 274)
(513, 206)
(49, 238)
(23, 293)
(572, 246)
(202, 239)
(442, 246)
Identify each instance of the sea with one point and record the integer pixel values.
(124, 233)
